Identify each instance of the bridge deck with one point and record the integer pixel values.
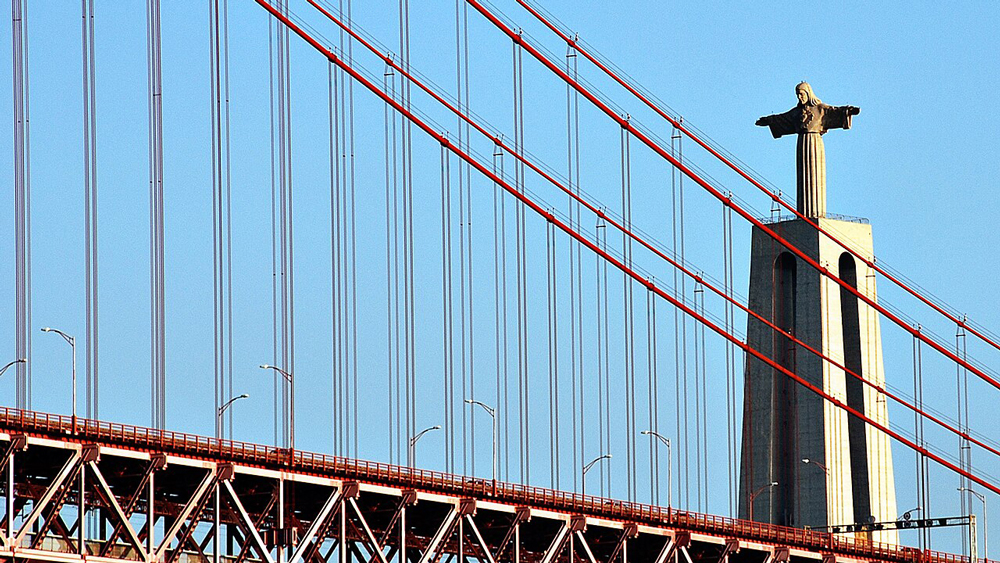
(561, 523)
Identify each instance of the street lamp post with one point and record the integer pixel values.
(586, 468)
(986, 522)
(291, 393)
(9, 364)
(412, 450)
(666, 442)
(493, 415)
(754, 495)
(72, 342)
(221, 410)
(817, 464)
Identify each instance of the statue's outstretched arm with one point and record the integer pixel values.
(839, 117)
(781, 123)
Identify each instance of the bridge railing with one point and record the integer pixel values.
(168, 441)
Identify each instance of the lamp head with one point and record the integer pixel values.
(436, 427)
(46, 329)
(805, 460)
(774, 483)
(243, 396)
(265, 366)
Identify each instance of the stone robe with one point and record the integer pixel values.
(810, 122)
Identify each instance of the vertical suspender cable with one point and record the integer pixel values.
(90, 202)
(396, 370)
(221, 206)
(575, 267)
(629, 321)
(287, 324)
(218, 309)
(407, 188)
(704, 402)
(227, 154)
(918, 434)
(353, 251)
(576, 408)
(22, 200)
(964, 451)
(732, 367)
(337, 348)
(274, 224)
(500, 310)
(552, 347)
(650, 397)
(157, 321)
(500, 276)
(698, 382)
(680, 370)
(603, 401)
(604, 301)
(387, 76)
(447, 314)
(520, 250)
(336, 222)
(464, 235)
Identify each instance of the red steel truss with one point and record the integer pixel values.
(220, 500)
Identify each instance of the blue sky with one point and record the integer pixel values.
(919, 163)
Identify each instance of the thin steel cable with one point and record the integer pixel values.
(387, 75)
(90, 203)
(217, 259)
(575, 275)
(352, 214)
(274, 224)
(628, 328)
(603, 401)
(698, 383)
(447, 312)
(229, 209)
(336, 250)
(462, 139)
(157, 276)
(521, 274)
(554, 350)
(497, 141)
(22, 199)
(499, 330)
(337, 347)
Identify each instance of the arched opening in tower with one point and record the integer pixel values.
(784, 433)
(851, 323)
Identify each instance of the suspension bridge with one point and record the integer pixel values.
(521, 310)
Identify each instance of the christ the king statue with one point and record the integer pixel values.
(810, 119)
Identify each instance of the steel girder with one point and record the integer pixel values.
(168, 508)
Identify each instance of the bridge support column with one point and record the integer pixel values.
(808, 462)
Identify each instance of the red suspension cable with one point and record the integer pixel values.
(572, 41)
(726, 200)
(622, 228)
(525, 200)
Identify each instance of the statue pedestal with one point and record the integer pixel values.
(849, 476)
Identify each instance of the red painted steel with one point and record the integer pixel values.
(680, 126)
(726, 200)
(445, 142)
(621, 228)
(110, 434)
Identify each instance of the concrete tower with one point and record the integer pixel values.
(806, 462)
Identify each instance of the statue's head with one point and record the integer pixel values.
(804, 92)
